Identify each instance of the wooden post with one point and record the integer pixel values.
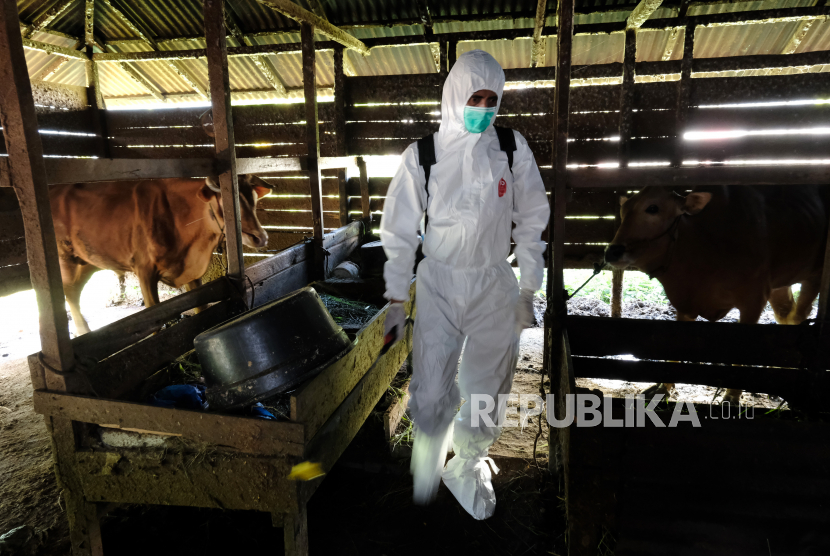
(617, 275)
(343, 195)
(626, 116)
(824, 297)
(339, 103)
(537, 51)
(95, 99)
(364, 194)
(220, 95)
(340, 129)
(27, 175)
(627, 96)
(556, 310)
(313, 142)
(684, 91)
(295, 533)
(445, 52)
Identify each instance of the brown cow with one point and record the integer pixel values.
(162, 230)
(727, 247)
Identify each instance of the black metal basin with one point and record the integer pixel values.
(269, 350)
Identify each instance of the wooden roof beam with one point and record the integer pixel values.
(54, 49)
(798, 35)
(641, 13)
(57, 64)
(429, 32)
(262, 63)
(139, 78)
(144, 33)
(348, 68)
(426, 17)
(322, 26)
(47, 17)
(537, 51)
(671, 44)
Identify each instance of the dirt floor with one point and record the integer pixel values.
(28, 492)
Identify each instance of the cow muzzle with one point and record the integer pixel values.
(256, 239)
(614, 253)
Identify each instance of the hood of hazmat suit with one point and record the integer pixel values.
(466, 290)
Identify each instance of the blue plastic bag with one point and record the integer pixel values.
(258, 410)
(181, 396)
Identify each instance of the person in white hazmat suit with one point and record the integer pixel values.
(466, 289)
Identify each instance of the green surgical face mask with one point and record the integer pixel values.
(477, 119)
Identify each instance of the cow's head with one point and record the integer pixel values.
(251, 190)
(649, 220)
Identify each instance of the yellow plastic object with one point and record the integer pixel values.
(306, 471)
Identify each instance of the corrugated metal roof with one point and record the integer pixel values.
(387, 61)
(704, 9)
(652, 45)
(183, 18)
(510, 54)
(110, 26)
(67, 22)
(72, 72)
(817, 38)
(743, 40)
(484, 7)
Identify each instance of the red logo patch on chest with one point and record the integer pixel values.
(502, 187)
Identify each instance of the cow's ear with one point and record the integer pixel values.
(696, 202)
(206, 194)
(210, 189)
(261, 191)
(623, 199)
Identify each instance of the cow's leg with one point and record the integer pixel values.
(75, 276)
(149, 281)
(804, 305)
(782, 302)
(122, 283)
(192, 285)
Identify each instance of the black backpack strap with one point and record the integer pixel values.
(507, 143)
(426, 158)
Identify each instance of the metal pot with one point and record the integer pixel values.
(269, 350)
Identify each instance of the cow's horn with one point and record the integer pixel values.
(211, 182)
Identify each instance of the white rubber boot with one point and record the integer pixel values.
(428, 456)
(471, 483)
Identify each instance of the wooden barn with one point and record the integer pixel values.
(319, 98)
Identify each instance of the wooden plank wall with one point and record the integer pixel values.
(260, 131)
(386, 114)
(65, 123)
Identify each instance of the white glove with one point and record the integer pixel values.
(524, 311)
(395, 324)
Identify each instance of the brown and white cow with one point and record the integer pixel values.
(162, 230)
(720, 248)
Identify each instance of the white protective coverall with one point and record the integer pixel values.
(466, 289)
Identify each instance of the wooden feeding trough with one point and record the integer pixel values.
(192, 458)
